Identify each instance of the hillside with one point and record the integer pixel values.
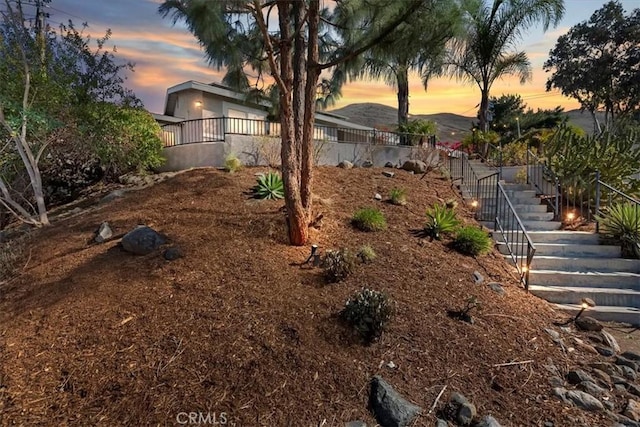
(92, 335)
(450, 126)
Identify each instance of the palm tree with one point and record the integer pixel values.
(416, 45)
(487, 50)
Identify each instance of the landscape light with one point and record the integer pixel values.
(474, 204)
(585, 303)
(571, 216)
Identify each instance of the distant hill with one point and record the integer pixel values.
(450, 126)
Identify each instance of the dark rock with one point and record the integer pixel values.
(142, 240)
(586, 323)
(610, 341)
(623, 420)
(389, 165)
(345, 164)
(629, 373)
(618, 380)
(620, 387)
(591, 388)
(633, 389)
(596, 338)
(388, 174)
(630, 355)
(602, 376)
(104, 233)
(560, 392)
(584, 400)
(605, 351)
(415, 166)
(496, 287)
(608, 405)
(632, 410)
(441, 423)
(621, 361)
(464, 410)
(578, 376)
(357, 423)
(115, 194)
(173, 253)
(487, 421)
(389, 408)
(367, 164)
(609, 368)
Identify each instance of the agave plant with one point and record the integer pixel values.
(441, 220)
(622, 223)
(269, 186)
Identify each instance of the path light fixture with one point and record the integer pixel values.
(313, 257)
(474, 204)
(571, 216)
(585, 304)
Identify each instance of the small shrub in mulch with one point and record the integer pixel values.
(398, 196)
(366, 254)
(471, 241)
(369, 219)
(338, 264)
(464, 313)
(369, 313)
(440, 220)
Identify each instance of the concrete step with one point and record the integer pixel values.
(601, 296)
(568, 250)
(585, 264)
(535, 216)
(630, 315)
(589, 279)
(516, 187)
(530, 208)
(573, 237)
(522, 194)
(541, 225)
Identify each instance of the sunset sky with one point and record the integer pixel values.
(165, 55)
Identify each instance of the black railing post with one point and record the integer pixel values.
(597, 206)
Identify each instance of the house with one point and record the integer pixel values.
(203, 123)
(215, 110)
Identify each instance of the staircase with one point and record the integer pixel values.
(570, 265)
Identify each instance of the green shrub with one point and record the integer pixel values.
(366, 254)
(369, 219)
(622, 223)
(369, 313)
(417, 130)
(521, 176)
(451, 203)
(515, 153)
(472, 241)
(338, 265)
(441, 220)
(269, 186)
(232, 163)
(398, 196)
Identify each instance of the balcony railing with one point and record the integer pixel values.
(215, 129)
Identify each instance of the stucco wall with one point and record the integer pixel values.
(248, 150)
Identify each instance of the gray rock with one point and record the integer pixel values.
(602, 376)
(345, 164)
(609, 368)
(142, 240)
(622, 361)
(367, 164)
(477, 277)
(591, 388)
(556, 381)
(115, 194)
(610, 341)
(632, 410)
(173, 253)
(415, 166)
(464, 410)
(586, 323)
(618, 380)
(104, 233)
(630, 355)
(487, 421)
(578, 376)
(620, 387)
(624, 421)
(608, 405)
(441, 423)
(560, 392)
(555, 335)
(629, 373)
(388, 174)
(389, 408)
(496, 287)
(356, 423)
(584, 400)
(605, 351)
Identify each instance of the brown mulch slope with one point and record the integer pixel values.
(90, 335)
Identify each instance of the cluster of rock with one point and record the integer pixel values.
(413, 166)
(142, 240)
(599, 385)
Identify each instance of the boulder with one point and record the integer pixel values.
(389, 408)
(577, 376)
(462, 410)
(487, 421)
(584, 400)
(104, 233)
(345, 164)
(142, 240)
(173, 253)
(415, 166)
(586, 323)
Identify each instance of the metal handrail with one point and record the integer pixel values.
(545, 181)
(514, 234)
(482, 190)
(216, 128)
(612, 191)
